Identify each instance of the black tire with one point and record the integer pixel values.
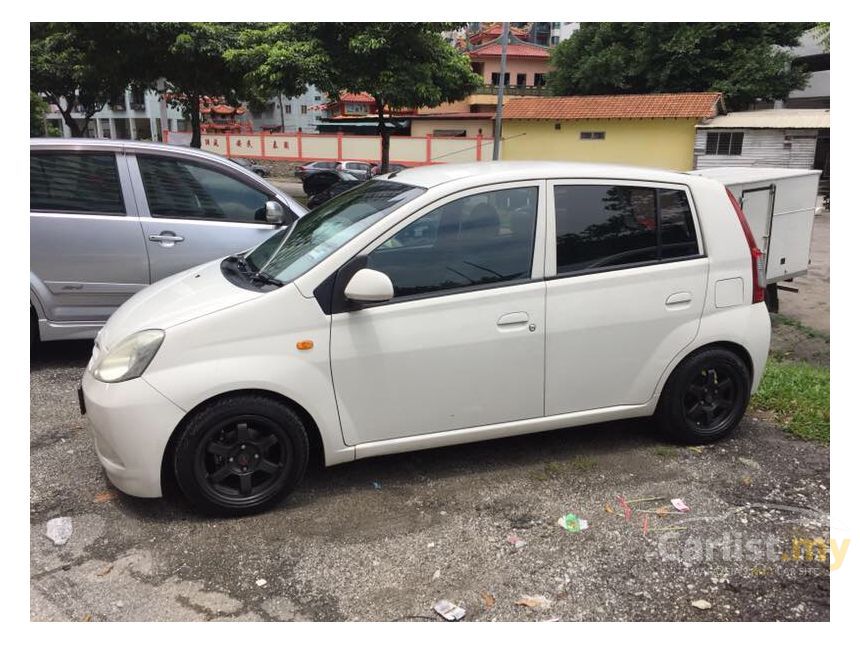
(34, 330)
(705, 397)
(771, 298)
(240, 455)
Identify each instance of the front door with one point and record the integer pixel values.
(197, 212)
(461, 344)
(86, 246)
(627, 292)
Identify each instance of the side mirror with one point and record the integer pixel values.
(368, 285)
(275, 213)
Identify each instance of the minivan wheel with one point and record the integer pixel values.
(706, 397)
(240, 455)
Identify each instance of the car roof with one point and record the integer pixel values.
(119, 145)
(484, 172)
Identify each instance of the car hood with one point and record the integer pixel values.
(177, 299)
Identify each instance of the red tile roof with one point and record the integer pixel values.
(525, 50)
(688, 105)
(356, 98)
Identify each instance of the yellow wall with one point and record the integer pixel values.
(660, 143)
(421, 127)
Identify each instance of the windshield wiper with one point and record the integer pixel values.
(265, 278)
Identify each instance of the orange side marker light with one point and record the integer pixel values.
(305, 344)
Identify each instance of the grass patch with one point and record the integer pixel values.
(667, 452)
(779, 319)
(798, 394)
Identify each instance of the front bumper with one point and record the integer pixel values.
(131, 423)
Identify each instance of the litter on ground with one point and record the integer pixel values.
(59, 530)
(448, 610)
(573, 523)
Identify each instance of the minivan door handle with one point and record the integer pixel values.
(680, 298)
(166, 238)
(513, 319)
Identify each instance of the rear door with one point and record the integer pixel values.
(86, 245)
(194, 211)
(626, 292)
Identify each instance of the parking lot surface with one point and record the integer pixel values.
(385, 538)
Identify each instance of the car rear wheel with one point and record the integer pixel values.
(705, 397)
(240, 455)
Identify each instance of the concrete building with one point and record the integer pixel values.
(812, 56)
(656, 130)
(136, 117)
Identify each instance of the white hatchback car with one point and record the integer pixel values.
(435, 306)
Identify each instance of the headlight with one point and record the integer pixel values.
(130, 357)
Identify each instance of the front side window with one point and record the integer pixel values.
(75, 183)
(484, 239)
(599, 227)
(288, 254)
(184, 189)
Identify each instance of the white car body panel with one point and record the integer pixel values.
(437, 371)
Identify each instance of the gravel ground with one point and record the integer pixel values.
(385, 538)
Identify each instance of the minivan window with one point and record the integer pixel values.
(481, 239)
(75, 183)
(603, 226)
(179, 188)
(288, 254)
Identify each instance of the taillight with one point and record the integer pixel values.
(758, 269)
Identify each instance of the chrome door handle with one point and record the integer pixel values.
(166, 238)
(680, 298)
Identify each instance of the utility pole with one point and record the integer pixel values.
(161, 86)
(500, 97)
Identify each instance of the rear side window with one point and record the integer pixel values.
(178, 188)
(485, 239)
(599, 227)
(75, 183)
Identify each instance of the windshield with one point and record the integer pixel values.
(288, 254)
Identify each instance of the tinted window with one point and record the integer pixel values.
(677, 231)
(604, 226)
(724, 143)
(610, 226)
(477, 240)
(178, 188)
(77, 183)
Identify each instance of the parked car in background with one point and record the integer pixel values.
(314, 166)
(358, 169)
(392, 167)
(448, 305)
(322, 186)
(108, 218)
(332, 191)
(254, 166)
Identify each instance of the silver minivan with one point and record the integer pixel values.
(108, 218)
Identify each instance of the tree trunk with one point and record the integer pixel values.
(194, 113)
(69, 120)
(384, 133)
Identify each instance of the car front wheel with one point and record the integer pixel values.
(705, 397)
(240, 455)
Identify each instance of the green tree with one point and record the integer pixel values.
(191, 57)
(822, 35)
(79, 67)
(744, 60)
(400, 64)
(39, 126)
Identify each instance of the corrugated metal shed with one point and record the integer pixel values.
(779, 119)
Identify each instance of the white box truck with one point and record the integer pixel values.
(780, 206)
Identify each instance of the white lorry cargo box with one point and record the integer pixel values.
(780, 206)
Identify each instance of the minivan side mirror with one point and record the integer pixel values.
(368, 285)
(275, 213)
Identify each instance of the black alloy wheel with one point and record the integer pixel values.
(240, 455)
(705, 397)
